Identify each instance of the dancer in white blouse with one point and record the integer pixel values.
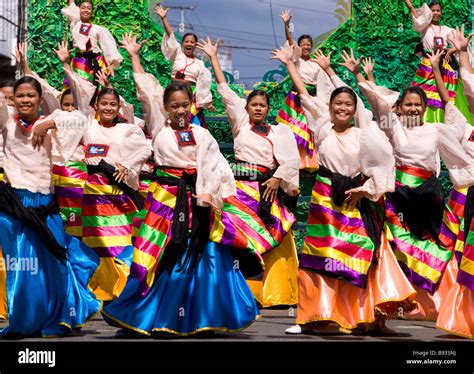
(186, 67)
(31, 228)
(180, 282)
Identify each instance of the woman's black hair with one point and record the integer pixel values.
(86, 1)
(28, 80)
(341, 90)
(174, 87)
(66, 92)
(109, 91)
(433, 3)
(8, 83)
(415, 90)
(190, 34)
(258, 93)
(304, 37)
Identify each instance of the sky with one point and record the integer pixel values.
(248, 24)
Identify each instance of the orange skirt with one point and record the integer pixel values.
(279, 285)
(3, 289)
(429, 305)
(308, 162)
(456, 314)
(387, 294)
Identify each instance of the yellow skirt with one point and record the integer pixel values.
(429, 305)
(109, 279)
(3, 289)
(388, 293)
(279, 285)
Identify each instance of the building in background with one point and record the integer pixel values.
(12, 29)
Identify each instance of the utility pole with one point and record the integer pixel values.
(182, 26)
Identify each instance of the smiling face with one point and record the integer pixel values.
(27, 100)
(342, 108)
(189, 45)
(306, 47)
(437, 13)
(257, 108)
(108, 107)
(412, 109)
(85, 10)
(178, 107)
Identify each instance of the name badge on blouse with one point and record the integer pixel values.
(85, 29)
(185, 137)
(24, 125)
(96, 150)
(438, 42)
(471, 138)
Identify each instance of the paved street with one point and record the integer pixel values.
(271, 327)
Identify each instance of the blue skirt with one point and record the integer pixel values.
(212, 295)
(45, 296)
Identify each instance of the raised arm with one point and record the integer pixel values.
(435, 58)
(72, 13)
(149, 90)
(162, 13)
(234, 105)
(20, 55)
(286, 18)
(461, 43)
(368, 68)
(411, 8)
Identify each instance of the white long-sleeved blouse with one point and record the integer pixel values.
(29, 168)
(99, 38)
(421, 146)
(276, 150)
(214, 175)
(193, 68)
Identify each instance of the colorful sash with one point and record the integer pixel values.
(337, 243)
(466, 268)
(292, 115)
(69, 183)
(238, 224)
(423, 261)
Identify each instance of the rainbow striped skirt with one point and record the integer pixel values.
(423, 260)
(69, 183)
(337, 243)
(107, 215)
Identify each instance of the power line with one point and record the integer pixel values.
(296, 7)
(273, 24)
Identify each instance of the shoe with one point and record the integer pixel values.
(294, 330)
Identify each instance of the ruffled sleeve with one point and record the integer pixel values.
(3, 112)
(50, 100)
(170, 47)
(377, 162)
(455, 120)
(203, 87)
(150, 93)
(82, 90)
(317, 114)
(381, 99)
(235, 108)
(134, 152)
(458, 163)
(285, 151)
(70, 127)
(214, 175)
(108, 45)
(73, 14)
(468, 81)
(423, 19)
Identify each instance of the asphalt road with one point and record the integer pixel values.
(271, 327)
